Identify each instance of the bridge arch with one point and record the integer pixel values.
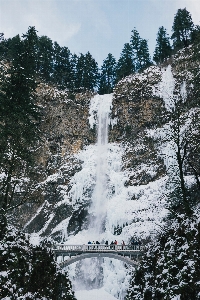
(76, 258)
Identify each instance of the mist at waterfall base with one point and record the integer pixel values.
(97, 294)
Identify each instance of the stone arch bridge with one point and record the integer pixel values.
(68, 254)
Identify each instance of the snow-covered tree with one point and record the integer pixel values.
(170, 266)
(30, 272)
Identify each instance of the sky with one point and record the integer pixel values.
(97, 26)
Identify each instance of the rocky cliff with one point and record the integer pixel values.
(139, 106)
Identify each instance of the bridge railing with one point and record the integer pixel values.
(96, 247)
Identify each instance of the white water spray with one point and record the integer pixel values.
(98, 207)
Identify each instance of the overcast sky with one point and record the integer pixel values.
(98, 26)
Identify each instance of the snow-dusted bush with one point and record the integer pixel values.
(170, 266)
(29, 272)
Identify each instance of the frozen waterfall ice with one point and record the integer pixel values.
(118, 211)
(99, 196)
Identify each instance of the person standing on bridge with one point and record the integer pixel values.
(111, 245)
(93, 244)
(89, 243)
(123, 245)
(97, 243)
(115, 243)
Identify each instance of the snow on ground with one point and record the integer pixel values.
(97, 294)
(34, 239)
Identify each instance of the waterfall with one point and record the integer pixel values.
(115, 210)
(99, 197)
(100, 184)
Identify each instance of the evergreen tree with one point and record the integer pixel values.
(91, 72)
(163, 48)
(195, 36)
(63, 72)
(45, 57)
(182, 29)
(107, 75)
(135, 45)
(79, 73)
(19, 116)
(125, 65)
(143, 55)
(170, 267)
(86, 72)
(28, 58)
(140, 51)
(30, 272)
(2, 46)
(10, 47)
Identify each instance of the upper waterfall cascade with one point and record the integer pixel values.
(99, 196)
(101, 187)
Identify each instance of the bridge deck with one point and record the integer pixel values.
(127, 253)
(93, 248)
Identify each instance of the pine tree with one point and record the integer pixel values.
(143, 55)
(90, 76)
(79, 73)
(2, 46)
(19, 116)
(125, 65)
(170, 267)
(163, 48)
(107, 75)
(10, 47)
(86, 72)
(45, 58)
(182, 29)
(63, 72)
(195, 35)
(140, 51)
(28, 58)
(31, 272)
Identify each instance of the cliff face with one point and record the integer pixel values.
(65, 123)
(65, 130)
(139, 107)
(135, 104)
